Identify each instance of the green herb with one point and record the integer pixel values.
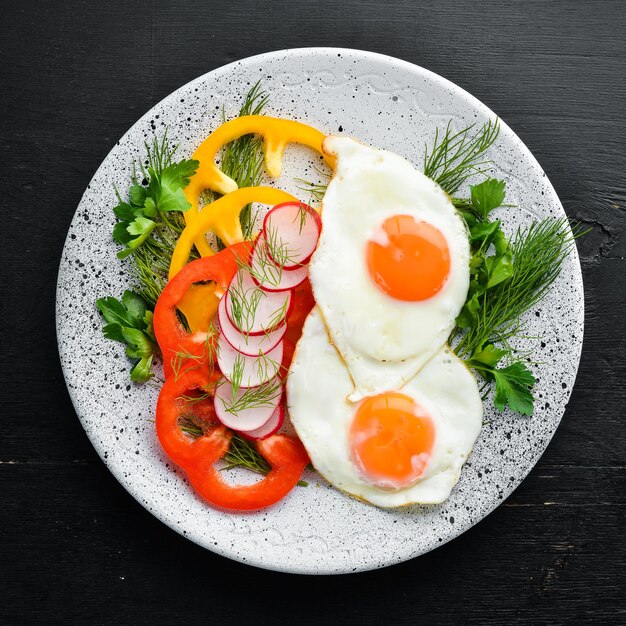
(455, 157)
(506, 280)
(244, 303)
(255, 397)
(242, 453)
(317, 191)
(278, 250)
(533, 259)
(242, 159)
(130, 322)
(151, 220)
(236, 377)
(191, 426)
(487, 196)
(209, 353)
(264, 269)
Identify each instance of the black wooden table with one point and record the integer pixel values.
(75, 547)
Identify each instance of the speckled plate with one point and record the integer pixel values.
(381, 101)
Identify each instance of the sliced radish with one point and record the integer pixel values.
(292, 230)
(256, 415)
(269, 428)
(253, 310)
(268, 275)
(249, 345)
(250, 370)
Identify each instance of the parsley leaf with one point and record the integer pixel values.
(142, 371)
(513, 385)
(137, 194)
(499, 268)
(179, 174)
(171, 196)
(124, 211)
(163, 194)
(469, 313)
(135, 306)
(489, 355)
(129, 321)
(487, 195)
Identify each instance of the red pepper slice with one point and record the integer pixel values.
(286, 455)
(303, 302)
(173, 339)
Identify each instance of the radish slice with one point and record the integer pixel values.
(249, 345)
(250, 370)
(292, 230)
(270, 427)
(256, 415)
(268, 275)
(253, 310)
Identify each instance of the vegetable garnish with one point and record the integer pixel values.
(197, 455)
(503, 287)
(151, 220)
(173, 338)
(130, 321)
(222, 218)
(242, 453)
(506, 280)
(457, 156)
(277, 134)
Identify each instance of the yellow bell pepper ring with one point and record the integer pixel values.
(276, 132)
(222, 218)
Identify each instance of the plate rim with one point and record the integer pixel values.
(458, 91)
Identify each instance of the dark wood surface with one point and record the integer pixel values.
(75, 547)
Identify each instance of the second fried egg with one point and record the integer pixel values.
(395, 448)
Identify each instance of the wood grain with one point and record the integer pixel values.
(74, 77)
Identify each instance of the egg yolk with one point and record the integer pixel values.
(408, 259)
(391, 439)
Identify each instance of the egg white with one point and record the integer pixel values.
(317, 386)
(384, 341)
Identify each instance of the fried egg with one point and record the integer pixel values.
(395, 448)
(391, 270)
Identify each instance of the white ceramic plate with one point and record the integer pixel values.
(384, 102)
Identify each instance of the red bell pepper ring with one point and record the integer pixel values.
(286, 455)
(173, 339)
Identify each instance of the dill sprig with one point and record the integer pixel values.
(191, 426)
(150, 261)
(256, 397)
(242, 453)
(244, 303)
(452, 159)
(315, 190)
(537, 254)
(210, 351)
(278, 250)
(263, 269)
(455, 157)
(242, 159)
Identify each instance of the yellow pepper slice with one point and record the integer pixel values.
(199, 306)
(276, 132)
(222, 218)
